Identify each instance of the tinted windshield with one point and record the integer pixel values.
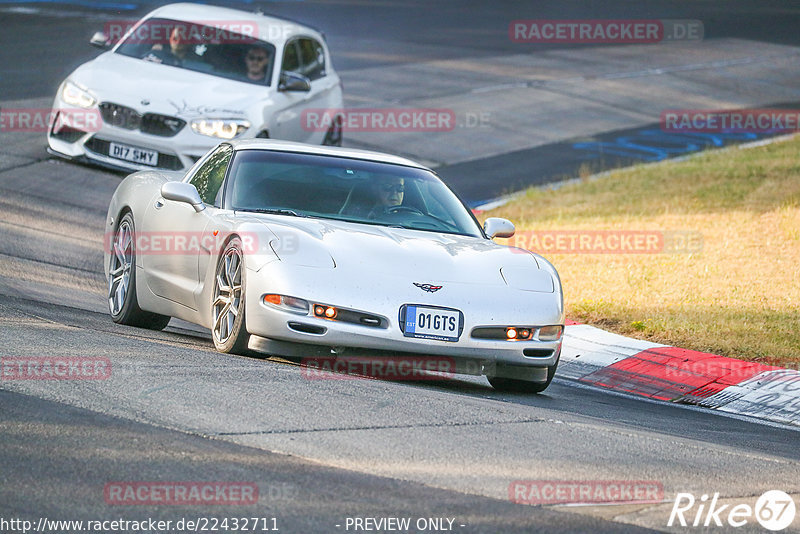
(346, 189)
(218, 51)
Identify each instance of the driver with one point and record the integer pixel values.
(387, 193)
(180, 51)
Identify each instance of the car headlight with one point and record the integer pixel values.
(551, 333)
(222, 128)
(292, 304)
(75, 96)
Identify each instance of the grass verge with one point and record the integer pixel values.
(737, 293)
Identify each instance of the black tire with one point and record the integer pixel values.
(122, 303)
(230, 336)
(333, 137)
(522, 386)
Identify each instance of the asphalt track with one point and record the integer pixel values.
(319, 451)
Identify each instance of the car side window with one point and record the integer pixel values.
(312, 58)
(305, 56)
(208, 178)
(291, 62)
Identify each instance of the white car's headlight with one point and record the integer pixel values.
(551, 333)
(222, 128)
(75, 96)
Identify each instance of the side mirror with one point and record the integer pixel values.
(497, 227)
(291, 81)
(183, 192)
(100, 40)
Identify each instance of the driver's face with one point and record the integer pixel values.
(390, 192)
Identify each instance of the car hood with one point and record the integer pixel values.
(169, 90)
(425, 257)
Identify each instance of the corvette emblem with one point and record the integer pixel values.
(428, 287)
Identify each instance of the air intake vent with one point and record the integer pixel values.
(306, 328)
(149, 123)
(120, 116)
(537, 353)
(161, 125)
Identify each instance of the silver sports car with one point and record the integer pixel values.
(324, 252)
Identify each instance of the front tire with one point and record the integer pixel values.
(122, 303)
(229, 328)
(513, 385)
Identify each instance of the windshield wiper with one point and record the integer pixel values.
(276, 211)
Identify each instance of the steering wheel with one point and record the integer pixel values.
(160, 55)
(399, 209)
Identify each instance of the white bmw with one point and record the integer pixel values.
(308, 251)
(188, 76)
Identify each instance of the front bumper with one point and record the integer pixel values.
(175, 153)
(306, 336)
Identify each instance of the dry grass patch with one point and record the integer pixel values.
(738, 296)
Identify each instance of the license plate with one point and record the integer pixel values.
(133, 154)
(431, 322)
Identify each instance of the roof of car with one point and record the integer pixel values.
(288, 146)
(270, 28)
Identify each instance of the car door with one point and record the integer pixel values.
(174, 233)
(307, 57)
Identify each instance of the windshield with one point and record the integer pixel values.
(201, 48)
(345, 189)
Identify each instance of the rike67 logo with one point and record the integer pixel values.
(774, 510)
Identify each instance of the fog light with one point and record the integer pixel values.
(329, 312)
(517, 333)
